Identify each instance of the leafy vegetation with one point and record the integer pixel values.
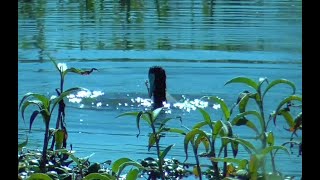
(55, 162)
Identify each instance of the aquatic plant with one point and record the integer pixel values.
(266, 137)
(63, 71)
(154, 138)
(45, 107)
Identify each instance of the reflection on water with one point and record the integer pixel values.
(201, 44)
(160, 24)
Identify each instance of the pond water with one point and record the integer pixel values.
(200, 44)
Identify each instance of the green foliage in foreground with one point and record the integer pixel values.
(60, 163)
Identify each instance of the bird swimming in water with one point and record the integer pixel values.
(157, 78)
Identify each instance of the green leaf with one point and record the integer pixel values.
(204, 139)
(46, 116)
(243, 121)
(132, 174)
(156, 112)
(279, 81)
(135, 114)
(30, 102)
(255, 163)
(74, 158)
(79, 71)
(129, 163)
(201, 124)
(250, 125)
(217, 129)
(270, 138)
(235, 148)
(244, 80)
(37, 176)
(152, 141)
(95, 176)
(223, 105)
(267, 150)
(243, 103)
(64, 94)
(59, 136)
(285, 101)
(241, 162)
(23, 144)
(32, 118)
(205, 115)
(163, 123)
(116, 164)
(190, 137)
(261, 82)
(138, 122)
(176, 130)
(249, 147)
(54, 62)
(165, 152)
(297, 122)
(287, 116)
(39, 97)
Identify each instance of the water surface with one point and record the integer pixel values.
(201, 45)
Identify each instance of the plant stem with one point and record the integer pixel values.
(225, 163)
(158, 150)
(44, 150)
(213, 154)
(197, 161)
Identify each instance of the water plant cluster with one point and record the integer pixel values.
(57, 161)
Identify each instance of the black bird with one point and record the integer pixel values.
(157, 78)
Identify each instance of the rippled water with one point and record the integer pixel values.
(201, 45)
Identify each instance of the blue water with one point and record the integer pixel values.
(200, 46)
